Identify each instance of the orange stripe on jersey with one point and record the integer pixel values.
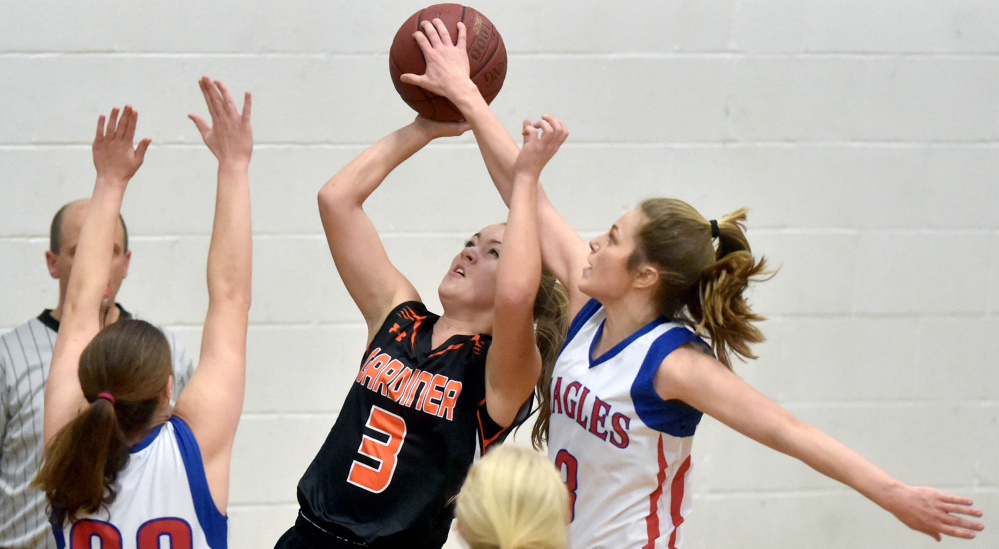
(409, 314)
(482, 432)
(652, 520)
(677, 494)
(448, 348)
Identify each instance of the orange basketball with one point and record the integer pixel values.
(486, 58)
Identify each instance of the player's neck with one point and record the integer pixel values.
(448, 326)
(108, 315)
(623, 319)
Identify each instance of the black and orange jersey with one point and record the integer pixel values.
(411, 425)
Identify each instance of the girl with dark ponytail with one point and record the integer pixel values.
(636, 373)
(120, 464)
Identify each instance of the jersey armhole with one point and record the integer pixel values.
(490, 432)
(212, 521)
(584, 314)
(673, 417)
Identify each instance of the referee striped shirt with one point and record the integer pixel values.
(25, 355)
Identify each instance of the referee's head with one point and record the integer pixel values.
(64, 233)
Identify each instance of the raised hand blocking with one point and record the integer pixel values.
(230, 136)
(115, 158)
(538, 148)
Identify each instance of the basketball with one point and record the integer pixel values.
(486, 58)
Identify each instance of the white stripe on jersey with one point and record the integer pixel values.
(161, 492)
(25, 355)
(623, 451)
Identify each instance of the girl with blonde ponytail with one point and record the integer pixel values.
(513, 499)
(635, 375)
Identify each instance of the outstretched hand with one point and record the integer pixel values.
(935, 513)
(448, 70)
(230, 136)
(115, 158)
(539, 149)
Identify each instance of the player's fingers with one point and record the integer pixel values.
(430, 31)
(247, 103)
(955, 499)
(442, 31)
(214, 99)
(422, 42)
(100, 128)
(961, 509)
(529, 132)
(140, 151)
(202, 126)
(462, 36)
(112, 123)
(126, 129)
(547, 133)
(204, 84)
(410, 78)
(228, 103)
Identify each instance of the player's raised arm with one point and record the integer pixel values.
(447, 74)
(372, 281)
(514, 362)
(116, 160)
(705, 383)
(213, 400)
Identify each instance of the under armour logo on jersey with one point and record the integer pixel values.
(395, 330)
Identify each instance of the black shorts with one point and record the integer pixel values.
(307, 535)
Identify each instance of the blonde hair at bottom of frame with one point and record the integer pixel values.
(513, 498)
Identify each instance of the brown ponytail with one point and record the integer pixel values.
(129, 360)
(699, 284)
(551, 316)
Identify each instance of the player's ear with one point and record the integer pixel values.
(128, 259)
(50, 262)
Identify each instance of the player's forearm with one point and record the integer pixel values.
(519, 272)
(230, 251)
(836, 461)
(92, 260)
(497, 146)
(352, 185)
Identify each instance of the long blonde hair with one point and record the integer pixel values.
(513, 498)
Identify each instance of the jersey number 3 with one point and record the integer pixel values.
(384, 453)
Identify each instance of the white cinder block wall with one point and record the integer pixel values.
(863, 135)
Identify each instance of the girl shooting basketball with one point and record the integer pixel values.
(120, 464)
(431, 391)
(633, 378)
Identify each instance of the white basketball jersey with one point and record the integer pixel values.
(623, 451)
(163, 501)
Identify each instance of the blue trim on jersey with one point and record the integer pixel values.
(60, 537)
(673, 417)
(621, 344)
(584, 314)
(213, 523)
(144, 443)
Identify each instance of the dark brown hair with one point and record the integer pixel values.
(129, 360)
